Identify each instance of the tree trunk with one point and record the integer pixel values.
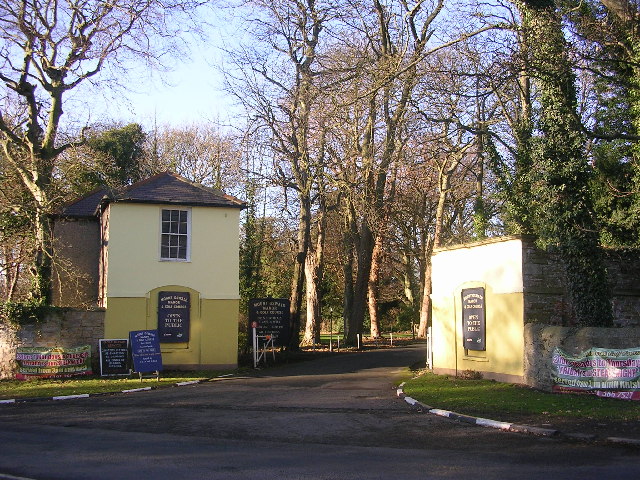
(348, 266)
(364, 251)
(425, 308)
(42, 265)
(312, 324)
(313, 275)
(374, 287)
(297, 282)
(444, 183)
(408, 278)
(480, 216)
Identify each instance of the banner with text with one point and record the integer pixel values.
(603, 372)
(56, 362)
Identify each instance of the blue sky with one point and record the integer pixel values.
(191, 92)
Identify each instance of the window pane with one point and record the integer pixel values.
(174, 234)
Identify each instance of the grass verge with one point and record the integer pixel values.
(10, 389)
(502, 401)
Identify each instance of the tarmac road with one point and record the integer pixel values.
(332, 418)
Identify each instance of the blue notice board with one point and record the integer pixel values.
(145, 350)
(173, 316)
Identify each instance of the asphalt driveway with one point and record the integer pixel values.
(334, 417)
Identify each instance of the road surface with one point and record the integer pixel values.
(332, 418)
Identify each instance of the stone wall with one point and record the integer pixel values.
(71, 328)
(75, 274)
(541, 340)
(624, 276)
(546, 300)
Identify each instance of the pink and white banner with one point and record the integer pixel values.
(53, 362)
(612, 373)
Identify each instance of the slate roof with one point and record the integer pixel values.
(84, 207)
(164, 188)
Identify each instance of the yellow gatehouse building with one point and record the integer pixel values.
(162, 254)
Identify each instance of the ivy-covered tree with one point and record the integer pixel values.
(616, 182)
(608, 43)
(560, 173)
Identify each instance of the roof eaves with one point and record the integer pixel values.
(240, 205)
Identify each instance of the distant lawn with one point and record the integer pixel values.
(489, 399)
(325, 337)
(10, 389)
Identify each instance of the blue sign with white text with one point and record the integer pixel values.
(173, 316)
(145, 350)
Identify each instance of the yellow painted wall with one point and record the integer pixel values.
(125, 315)
(135, 275)
(222, 345)
(213, 338)
(497, 267)
(134, 246)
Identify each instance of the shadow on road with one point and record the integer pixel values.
(325, 363)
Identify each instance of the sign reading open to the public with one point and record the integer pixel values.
(270, 317)
(173, 316)
(473, 319)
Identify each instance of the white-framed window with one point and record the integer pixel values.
(175, 234)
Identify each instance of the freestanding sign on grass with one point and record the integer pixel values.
(145, 351)
(270, 317)
(114, 356)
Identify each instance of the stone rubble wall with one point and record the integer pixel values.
(541, 340)
(75, 275)
(546, 300)
(71, 328)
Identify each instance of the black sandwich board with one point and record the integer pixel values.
(145, 351)
(114, 356)
(473, 319)
(173, 316)
(270, 316)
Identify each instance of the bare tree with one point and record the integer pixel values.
(202, 153)
(47, 50)
(397, 38)
(276, 81)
